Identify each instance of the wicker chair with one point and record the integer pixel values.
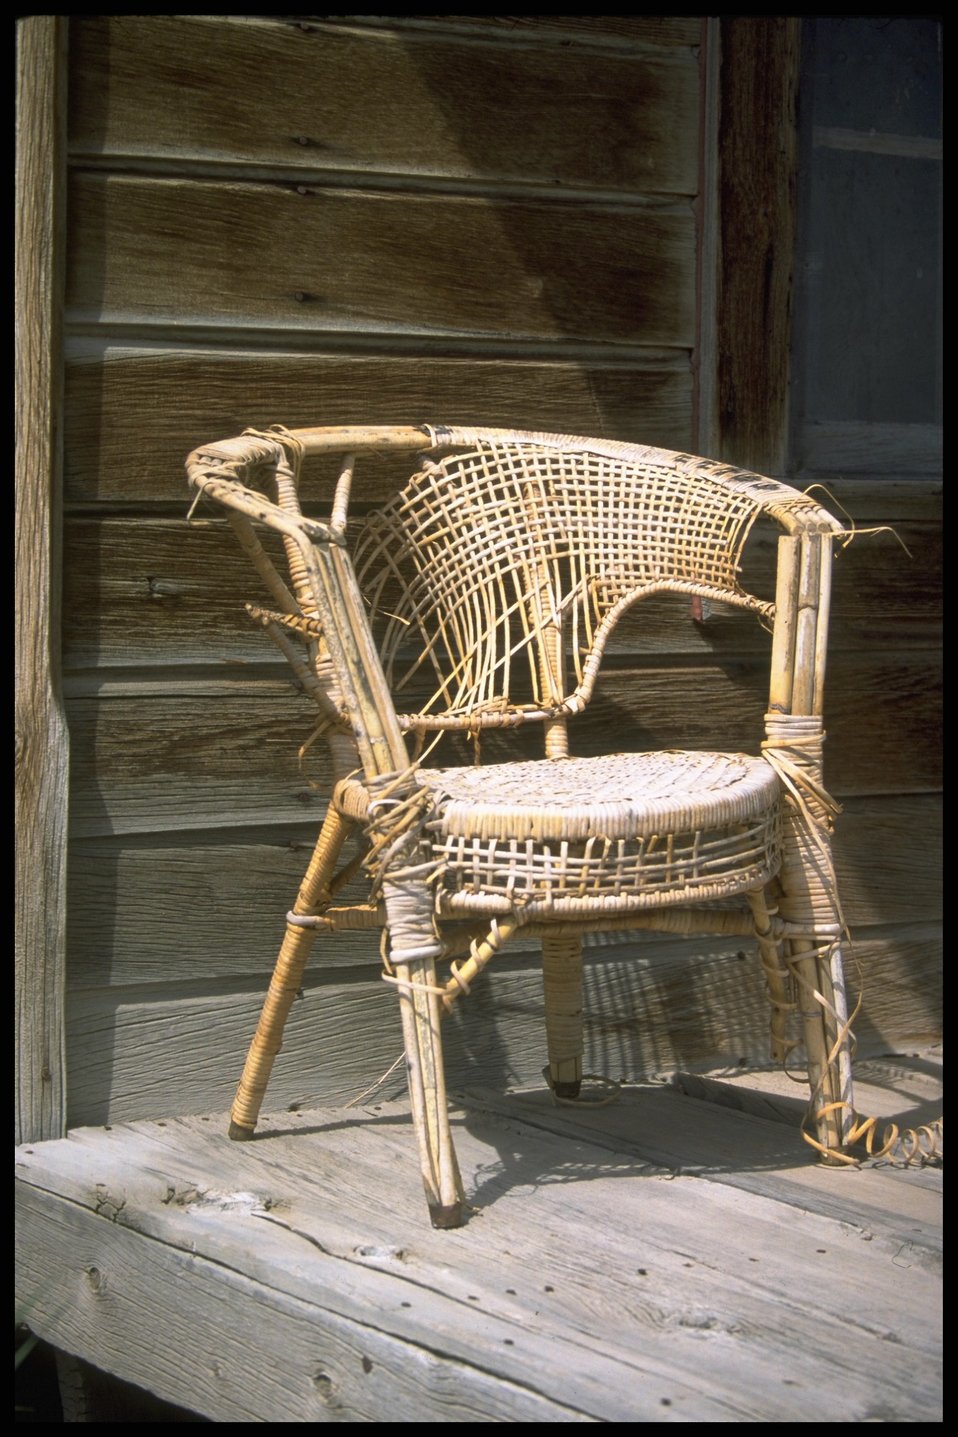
(482, 596)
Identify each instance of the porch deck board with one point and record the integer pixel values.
(661, 1259)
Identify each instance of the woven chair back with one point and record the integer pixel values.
(496, 575)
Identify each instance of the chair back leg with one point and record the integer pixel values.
(562, 981)
(822, 1004)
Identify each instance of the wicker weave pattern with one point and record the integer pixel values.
(619, 833)
(489, 554)
(495, 578)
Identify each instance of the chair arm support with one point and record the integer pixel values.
(800, 633)
(233, 494)
(332, 587)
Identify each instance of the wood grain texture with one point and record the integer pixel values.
(650, 1007)
(178, 399)
(666, 31)
(42, 743)
(757, 166)
(338, 1366)
(298, 257)
(734, 1281)
(157, 592)
(871, 497)
(162, 911)
(221, 754)
(196, 89)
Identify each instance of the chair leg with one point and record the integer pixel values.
(562, 981)
(819, 972)
(779, 982)
(809, 904)
(419, 1005)
(287, 979)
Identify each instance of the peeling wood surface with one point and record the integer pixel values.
(666, 1259)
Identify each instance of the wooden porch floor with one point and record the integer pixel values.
(667, 1258)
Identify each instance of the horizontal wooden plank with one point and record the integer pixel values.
(199, 758)
(135, 1052)
(143, 592)
(660, 30)
(304, 258)
(897, 1205)
(875, 498)
(868, 700)
(915, 147)
(132, 416)
(133, 766)
(204, 89)
(593, 1277)
(231, 896)
(343, 1366)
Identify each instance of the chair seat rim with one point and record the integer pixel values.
(565, 800)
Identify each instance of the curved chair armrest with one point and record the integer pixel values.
(218, 478)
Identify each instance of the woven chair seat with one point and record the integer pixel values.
(579, 836)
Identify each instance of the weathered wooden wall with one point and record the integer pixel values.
(452, 219)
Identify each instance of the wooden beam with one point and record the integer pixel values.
(41, 734)
(757, 166)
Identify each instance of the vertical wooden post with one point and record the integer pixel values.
(705, 428)
(757, 162)
(41, 735)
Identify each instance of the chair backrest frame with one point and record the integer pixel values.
(544, 487)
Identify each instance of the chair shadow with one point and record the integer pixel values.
(511, 1135)
(512, 1141)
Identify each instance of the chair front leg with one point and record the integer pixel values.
(821, 998)
(287, 978)
(809, 905)
(419, 1005)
